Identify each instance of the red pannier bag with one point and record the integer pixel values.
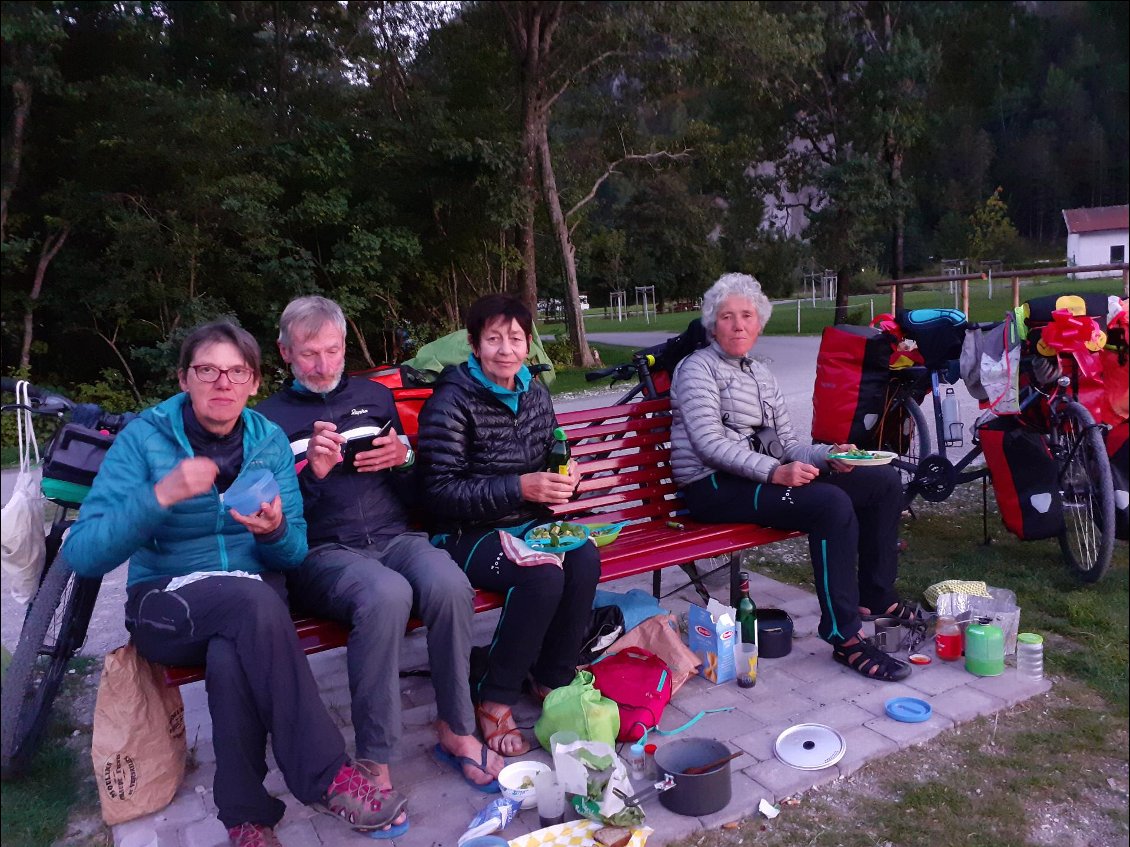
(1118, 449)
(849, 395)
(1025, 479)
(639, 682)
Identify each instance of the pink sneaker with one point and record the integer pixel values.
(355, 797)
(253, 835)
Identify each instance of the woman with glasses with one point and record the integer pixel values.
(205, 585)
(736, 458)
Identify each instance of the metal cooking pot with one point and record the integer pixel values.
(694, 794)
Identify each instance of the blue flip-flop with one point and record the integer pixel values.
(394, 831)
(457, 763)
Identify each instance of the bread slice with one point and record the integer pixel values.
(613, 836)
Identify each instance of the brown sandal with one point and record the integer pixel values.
(501, 732)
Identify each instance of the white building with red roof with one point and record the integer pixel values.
(1097, 236)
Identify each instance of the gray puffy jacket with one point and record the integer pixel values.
(718, 401)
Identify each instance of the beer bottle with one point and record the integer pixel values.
(559, 453)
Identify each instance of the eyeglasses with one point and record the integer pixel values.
(210, 373)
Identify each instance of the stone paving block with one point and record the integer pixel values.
(759, 743)
(773, 680)
(840, 687)
(1010, 686)
(810, 661)
(200, 747)
(668, 826)
(773, 707)
(745, 794)
(939, 677)
(185, 808)
(334, 832)
(806, 625)
(863, 745)
(964, 703)
(783, 781)
(418, 717)
(440, 809)
(874, 699)
(415, 762)
(297, 833)
(137, 826)
(168, 837)
(206, 833)
(840, 716)
(909, 734)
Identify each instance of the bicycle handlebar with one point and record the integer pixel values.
(43, 402)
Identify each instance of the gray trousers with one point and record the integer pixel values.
(373, 590)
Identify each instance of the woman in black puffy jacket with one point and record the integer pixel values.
(484, 442)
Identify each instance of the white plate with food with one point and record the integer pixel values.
(864, 457)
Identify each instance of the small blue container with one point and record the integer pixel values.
(251, 490)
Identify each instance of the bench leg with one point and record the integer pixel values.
(735, 580)
(657, 584)
(691, 570)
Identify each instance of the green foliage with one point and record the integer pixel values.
(992, 235)
(559, 352)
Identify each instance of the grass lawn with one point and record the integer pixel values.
(813, 318)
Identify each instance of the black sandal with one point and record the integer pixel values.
(867, 659)
(905, 612)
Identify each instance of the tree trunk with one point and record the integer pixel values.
(525, 25)
(582, 355)
(51, 246)
(21, 92)
(843, 282)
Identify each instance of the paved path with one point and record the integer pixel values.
(804, 687)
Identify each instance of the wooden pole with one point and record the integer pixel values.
(1015, 291)
(894, 299)
(965, 297)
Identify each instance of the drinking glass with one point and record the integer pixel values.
(550, 797)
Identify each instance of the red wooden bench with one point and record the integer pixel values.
(624, 457)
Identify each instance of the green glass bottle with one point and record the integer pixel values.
(747, 612)
(559, 453)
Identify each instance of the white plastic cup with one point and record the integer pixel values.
(550, 798)
(562, 738)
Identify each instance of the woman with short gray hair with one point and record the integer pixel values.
(737, 460)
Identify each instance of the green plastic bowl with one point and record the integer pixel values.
(602, 534)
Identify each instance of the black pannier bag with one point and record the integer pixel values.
(72, 461)
(1025, 479)
(939, 334)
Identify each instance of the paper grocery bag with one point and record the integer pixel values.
(139, 746)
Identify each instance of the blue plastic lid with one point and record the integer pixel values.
(908, 709)
(250, 490)
(486, 841)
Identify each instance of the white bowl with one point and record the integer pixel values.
(513, 776)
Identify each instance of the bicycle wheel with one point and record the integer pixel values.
(53, 631)
(912, 445)
(1085, 483)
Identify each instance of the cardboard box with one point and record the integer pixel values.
(712, 635)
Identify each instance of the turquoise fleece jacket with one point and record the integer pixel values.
(121, 519)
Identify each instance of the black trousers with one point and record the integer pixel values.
(258, 681)
(544, 617)
(852, 524)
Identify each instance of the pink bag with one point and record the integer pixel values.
(639, 682)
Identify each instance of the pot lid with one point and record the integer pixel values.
(908, 709)
(810, 746)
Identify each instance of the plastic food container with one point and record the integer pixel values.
(251, 490)
(517, 782)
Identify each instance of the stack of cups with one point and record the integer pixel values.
(1030, 656)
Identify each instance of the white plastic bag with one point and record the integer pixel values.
(22, 538)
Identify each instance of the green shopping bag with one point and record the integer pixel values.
(580, 708)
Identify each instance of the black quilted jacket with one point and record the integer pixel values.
(472, 449)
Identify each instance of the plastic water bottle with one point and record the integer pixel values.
(1030, 655)
(951, 419)
(637, 762)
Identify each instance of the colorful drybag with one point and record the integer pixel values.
(640, 683)
(851, 385)
(1025, 479)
